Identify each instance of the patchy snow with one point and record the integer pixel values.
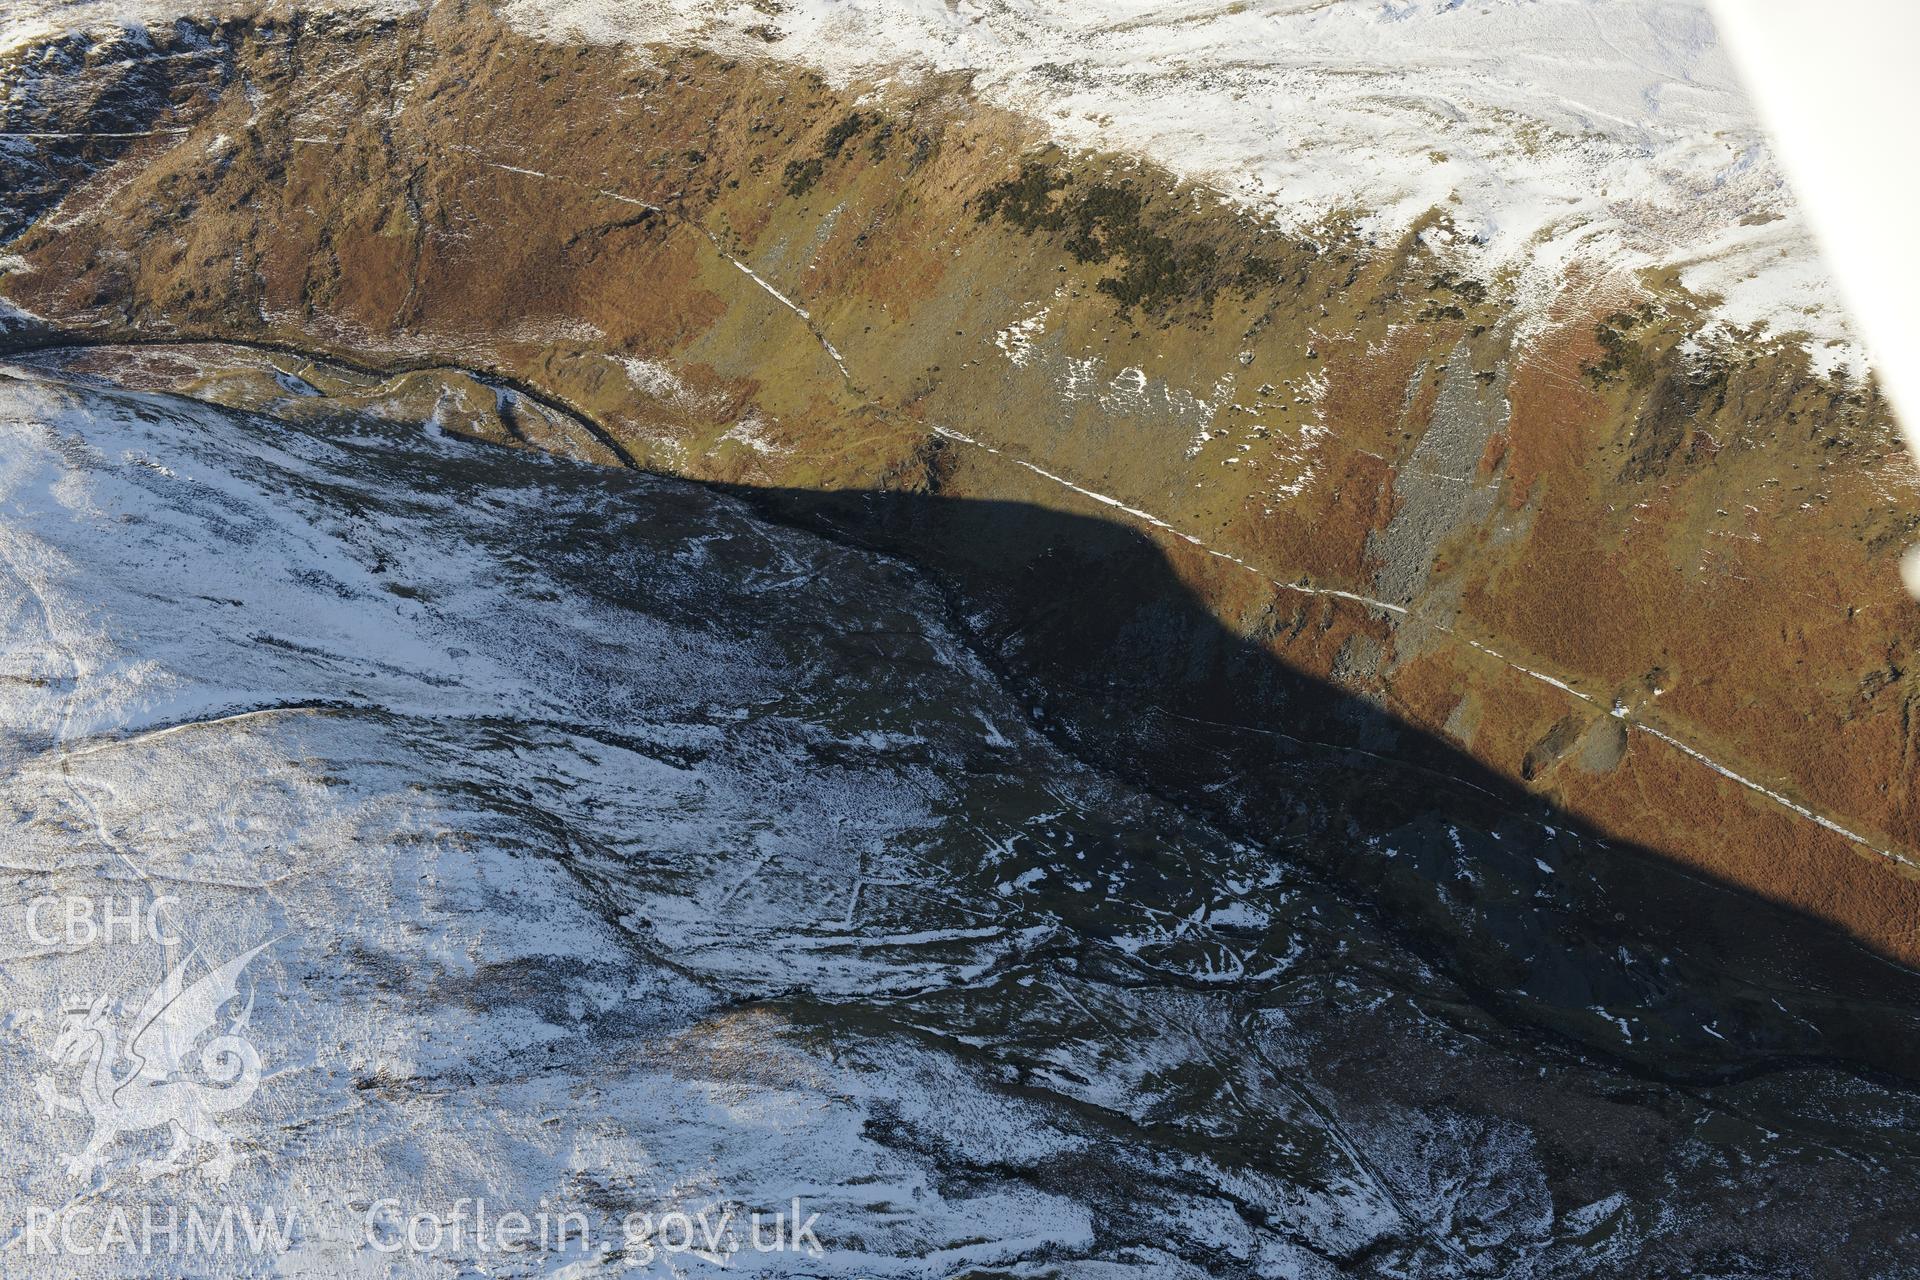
(1016, 340)
(652, 377)
(751, 431)
(1571, 143)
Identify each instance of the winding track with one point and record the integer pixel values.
(1300, 585)
(1154, 524)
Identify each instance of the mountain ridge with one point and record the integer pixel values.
(1349, 450)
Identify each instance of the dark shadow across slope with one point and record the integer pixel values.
(1609, 945)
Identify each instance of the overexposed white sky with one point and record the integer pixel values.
(1835, 85)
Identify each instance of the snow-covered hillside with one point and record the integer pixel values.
(610, 853)
(305, 709)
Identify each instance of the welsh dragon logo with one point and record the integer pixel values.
(146, 1084)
